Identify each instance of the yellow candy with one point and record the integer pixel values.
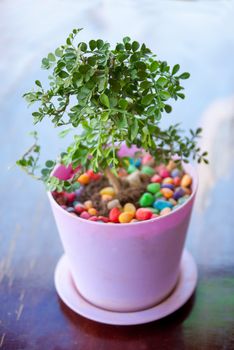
(168, 180)
(83, 179)
(92, 211)
(106, 197)
(126, 217)
(166, 192)
(130, 208)
(186, 180)
(88, 204)
(107, 190)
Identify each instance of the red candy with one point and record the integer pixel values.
(156, 178)
(114, 215)
(103, 218)
(143, 214)
(85, 215)
(176, 181)
(70, 196)
(93, 176)
(79, 208)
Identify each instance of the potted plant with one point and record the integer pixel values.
(122, 192)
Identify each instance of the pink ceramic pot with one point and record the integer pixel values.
(124, 267)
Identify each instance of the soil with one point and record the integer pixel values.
(127, 194)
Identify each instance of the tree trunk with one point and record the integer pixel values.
(113, 180)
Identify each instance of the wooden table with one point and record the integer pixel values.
(31, 314)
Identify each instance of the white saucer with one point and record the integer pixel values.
(71, 297)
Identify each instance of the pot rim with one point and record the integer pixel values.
(194, 191)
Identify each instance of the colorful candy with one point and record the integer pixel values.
(143, 214)
(165, 211)
(163, 188)
(114, 215)
(167, 193)
(130, 208)
(84, 179)
(146, 199)
(147, 170)
(161, 204)
(156, 178)
(108, 191)
(126, 217)
(186, 180)
(153, 187)
(114, 204)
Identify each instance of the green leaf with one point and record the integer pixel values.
(135, 46)
(162, 81)
(119, 47)
(100, 43)
(134, 129)
(91, 61)
(59, 52)
(63, 74)
(154, 66)
(64, 133)
(50, 163)
(168, 108)
(92, 45)
(126, 39)
(185, 75)
(123, 104)
(83, 47)
(175, 69)
(68, 41)
(105, 100)
(147, 99)
(38, 83)
(45, 63)
(51, 57)
(165, 95)
(145, 84)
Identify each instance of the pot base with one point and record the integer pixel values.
(181, 293)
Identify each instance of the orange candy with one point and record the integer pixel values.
(166, 192)
(83, 179)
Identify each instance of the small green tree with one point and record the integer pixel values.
(115, 95)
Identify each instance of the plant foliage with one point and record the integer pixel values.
(114, 95)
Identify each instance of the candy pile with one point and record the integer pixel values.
(166, 189)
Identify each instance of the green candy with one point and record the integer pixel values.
(153, 188)
(158, 195)
(146, 199)
(153, 210)
(147, 170)
(131, 169)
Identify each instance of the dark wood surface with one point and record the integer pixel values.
(31, 314)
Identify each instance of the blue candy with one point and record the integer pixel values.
(176, 173)
(135, 162)
(170, 186)
(161, 204)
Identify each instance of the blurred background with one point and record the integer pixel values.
(199, 35)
